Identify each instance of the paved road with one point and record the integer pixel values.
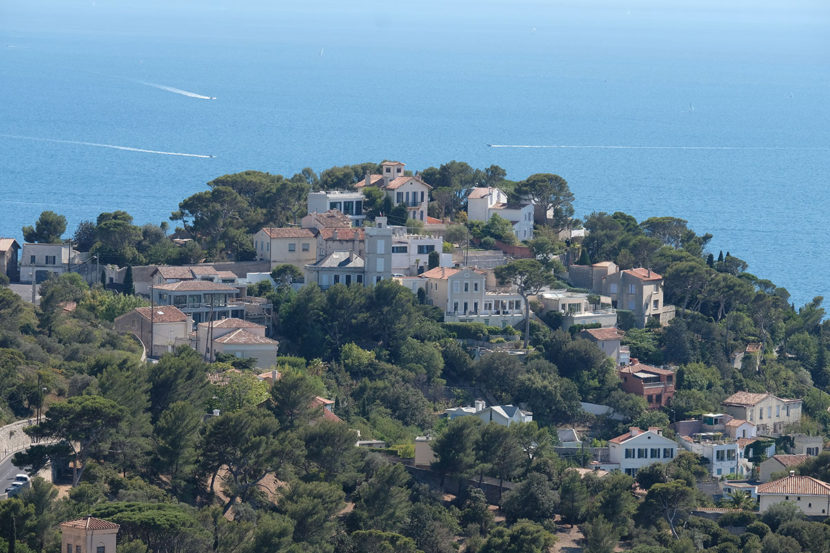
(7, 472)
(25, 292)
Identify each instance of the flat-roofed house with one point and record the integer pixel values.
(203, 300)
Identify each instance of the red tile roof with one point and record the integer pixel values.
(373, 180)
(795, 485)
(602, 334)
(162, 314)
(389, 162)
(790, 460)
(287, 232)
(643, 274)
(232, 322)
(91, 523)
(342, 233)
(329, 219)
(433, 221)
(180, 273)
(743, 442)
(400, 181)
(243, 337)
(442, 273)
(196, 286)
(476, 193)
(640, 367)
(735, 423)
(744, 398)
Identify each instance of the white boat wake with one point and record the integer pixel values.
(178, 91)
(111, 146)
(622, 147)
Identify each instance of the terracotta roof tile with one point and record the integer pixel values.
(795, 485)
(640, 367)
(342, 234)
(400, 181)
(162, 314)
(288, 232)
(442, 273)
(602, 334)
(744, 398)
(735, 423)
(643, 274)
(373, 180)
(180, 273)
(91, 523)
(7, 243)
(481, 192)
(195, 286)
(232, 322)
(433, 221)
(329, 219)
(243, 337)
(790, 460)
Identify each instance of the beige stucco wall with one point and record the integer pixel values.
(811, 505)
(89, 541)
(279, 254)
(266, 355)
(775, 418)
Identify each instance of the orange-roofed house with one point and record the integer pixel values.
(810, 495)
(463, 296)
(237, 337)
(770, 414)
(653, 384)
(608, 340)
(88, 535)
(639, 448)
(165, 326)
(291, 245)
(410, 191)
(779, 463)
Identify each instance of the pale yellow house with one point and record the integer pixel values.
(88, 535)
(810, 495)
(243, 339)
(770, 414)
(293, 246)
(161, 329)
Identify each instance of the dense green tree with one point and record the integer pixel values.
(15, 517)
(529, 276)
(600, 536)
(292, 400)
(382, 502)
(522, 537)
(178, 376)
(455, 448)
(574, 498)
(312, 507)
(534, 499)
(329, 447)
(671, 501)
(85, 423)
(500, 452)
(48, 228)
(84, 237)
(551, 195)
(175, 437)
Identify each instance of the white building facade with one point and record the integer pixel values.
(640, 448)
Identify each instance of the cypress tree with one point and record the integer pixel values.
(583, 258)
(129, 287)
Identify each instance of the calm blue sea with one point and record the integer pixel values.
(717, 115)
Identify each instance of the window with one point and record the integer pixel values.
(650, 398)
(421, 214)
(788, 410)
(631, 472)
(379, 264)
(629, 453)
(475, 286)
(337, 279)
(348, 279)
(426, 248)
(334, 205)
(306, 246)
(466, 286)
(655, 452)
(456, 286)
(488, 306)
(348, 208)
(399, 249)
(50, 259)
(179, 300)
(100, 549)
(422, 196)
(668, 453)
(613, 287)
(358, 207)
(769, 412)
(720, 455)
(406, 196)
(77, 549)
(475, 307)
(465, 307)
(631, 289)
(292, 247)
(388, 169)
(455, 307)
(656, 304)
(761, 414)
(642, 453)
(398, 197)
(360, 279)
(812, 451)
(68, 548)
(381, 247)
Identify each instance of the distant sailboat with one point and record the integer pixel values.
(691, 107)
(321, 51)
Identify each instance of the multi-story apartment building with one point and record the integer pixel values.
(202, 300)
(352, 256)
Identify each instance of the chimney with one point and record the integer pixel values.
(335, 234)
(480, 405)
(380, 222)
(634, 431)
(275, 375)
(368, 178)
(792, 473)
(649, 273)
